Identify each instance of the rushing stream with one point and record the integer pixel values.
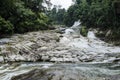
(90, 71)
(99, 61)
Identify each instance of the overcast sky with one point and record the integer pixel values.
(65, 3)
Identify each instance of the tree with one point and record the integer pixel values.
(71, 16)
(34, 5)
(56, 15)
(23, 15)
(5, 26)
(6, 7)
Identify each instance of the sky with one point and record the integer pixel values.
(64, 3)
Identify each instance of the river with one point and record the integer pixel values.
(85, 58)
(87, 71)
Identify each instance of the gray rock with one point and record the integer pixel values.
(45, 58)
(50, 75)
(1, 59)
(62, 73)
(55, 59)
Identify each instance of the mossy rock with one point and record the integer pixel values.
(83, 31)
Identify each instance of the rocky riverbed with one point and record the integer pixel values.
(54, 47)
(89, 58)
(34, 46)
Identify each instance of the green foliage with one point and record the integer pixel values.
(56, 16)
(43, 17)
(71, 15)
(93, 13)
(24, 15)
(23, 18)
(34, 5)
(83, 31)
(60, 16)
(99, 14)
(5, 26)
(6, 7)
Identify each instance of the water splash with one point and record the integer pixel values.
(76, 24)
(90, 43)
(69, 31)
(91, 35)
(8, 71)
(90, 70)
(75, 29)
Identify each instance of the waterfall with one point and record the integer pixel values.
(75, 29)
(76, 24)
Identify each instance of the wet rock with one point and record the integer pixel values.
(110, 60)
(1, 59)
(76, 36)
(74, 56)
(86, 58)
(44, 48)
(45, 58)
(5, 41)
(112, 54)
(20, 52)
(55, 59)
(61, 48)
(58, 74)
(32, 46)
(62, 73)
(108, 33)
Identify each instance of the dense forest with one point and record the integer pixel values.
(19, 16)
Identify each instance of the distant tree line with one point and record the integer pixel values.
(56, 15)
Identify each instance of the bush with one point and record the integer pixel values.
(83, 31)
(5, 26)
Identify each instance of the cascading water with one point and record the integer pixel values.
(91, 35)
(101, 61)
(93, 47)
(75, 29)
(90, 43)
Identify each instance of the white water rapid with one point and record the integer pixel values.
(90, 45)
(89, 58)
